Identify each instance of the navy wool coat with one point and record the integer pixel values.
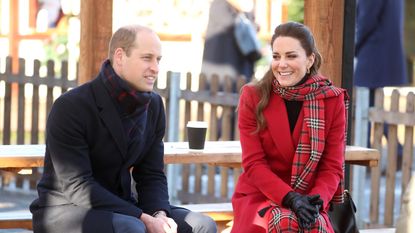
(379, 44)
(88, 162)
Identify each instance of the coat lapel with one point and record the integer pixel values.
(109, 115)
(278, 125)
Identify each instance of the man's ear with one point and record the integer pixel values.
(118, 56)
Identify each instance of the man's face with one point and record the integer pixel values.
(141, 67)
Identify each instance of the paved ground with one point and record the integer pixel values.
(15, 201)
(15, 231)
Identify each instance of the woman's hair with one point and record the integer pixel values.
(264, 86)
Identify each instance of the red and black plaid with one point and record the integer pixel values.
(311, 144)
(131, 104)
(283, 220)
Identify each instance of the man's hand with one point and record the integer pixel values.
(160, 223)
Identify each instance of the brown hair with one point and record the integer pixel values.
(264, 86)
(124, 38)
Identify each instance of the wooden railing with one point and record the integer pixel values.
(379, 115)
(24, 115)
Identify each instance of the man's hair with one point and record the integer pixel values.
(124, 38)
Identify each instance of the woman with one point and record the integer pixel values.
(292, 130)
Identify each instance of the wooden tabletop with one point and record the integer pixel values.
(224, 153)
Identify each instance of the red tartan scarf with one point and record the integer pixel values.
(130, 103)
(311, 144)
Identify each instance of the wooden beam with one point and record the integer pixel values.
(325, 18)
(96, 31)
(33, 9)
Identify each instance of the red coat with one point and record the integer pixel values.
(267, 158)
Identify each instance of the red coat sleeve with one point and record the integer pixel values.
(256, 167)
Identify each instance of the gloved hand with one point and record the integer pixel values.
(316, 201)
(306, 212)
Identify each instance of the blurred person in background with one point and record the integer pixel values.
(379, 47)
(221, 54)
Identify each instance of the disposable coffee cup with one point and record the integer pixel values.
(196, 132)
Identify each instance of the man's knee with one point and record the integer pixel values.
(201, 223)
(127, 224)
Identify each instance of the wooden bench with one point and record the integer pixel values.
(223, 153)
(220, 212)
(11, 220)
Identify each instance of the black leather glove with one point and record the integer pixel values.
(306, 212)
(316, 201)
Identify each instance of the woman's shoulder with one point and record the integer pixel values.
(250, 88)
(250, 91)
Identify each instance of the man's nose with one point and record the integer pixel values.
(155, 66)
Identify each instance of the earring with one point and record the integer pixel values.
(308, 70)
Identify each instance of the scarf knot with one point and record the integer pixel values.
(129, 100)
(131, 104)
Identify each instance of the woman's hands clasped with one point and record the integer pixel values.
(305, 207)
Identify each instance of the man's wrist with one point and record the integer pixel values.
(159, 212)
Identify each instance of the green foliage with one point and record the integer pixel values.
(296, 10)
(409, 29)
(56, 48)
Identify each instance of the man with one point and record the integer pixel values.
(96, 134)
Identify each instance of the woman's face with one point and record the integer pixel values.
(290, 62)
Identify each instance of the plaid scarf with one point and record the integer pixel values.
(311, 144)
(131, 104)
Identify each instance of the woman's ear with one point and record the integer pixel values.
(311, 59)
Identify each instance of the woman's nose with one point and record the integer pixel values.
(282, 63)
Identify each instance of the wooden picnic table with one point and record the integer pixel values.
(223, 153)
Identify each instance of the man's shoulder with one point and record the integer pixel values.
(77, 95)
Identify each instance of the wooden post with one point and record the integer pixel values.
(325, 18)
(96, 31)
(335, 40)
(14, 35)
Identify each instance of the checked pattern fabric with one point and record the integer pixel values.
(311, 144)
(309, 149)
